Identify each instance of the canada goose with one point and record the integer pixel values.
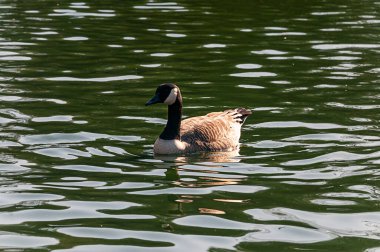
(217, 131)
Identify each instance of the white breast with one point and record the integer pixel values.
(162, 146)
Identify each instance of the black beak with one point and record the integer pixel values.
(155, 99)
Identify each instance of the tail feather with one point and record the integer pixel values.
(244, 114)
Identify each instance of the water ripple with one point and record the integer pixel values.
(25, 241)
(75, 38)
(248, 66)
(160, 6)
(344, 46)
(214, 46)
(75, 13)
(366, 223)
(13, 98)
(358, 107)
(99, 79)
(327, 13)
(332, 157)
(58, 138)
(173, 242)
(175, 35)
(295, 124)
(198, 191)
(14, 168)
(145, 119)
(261, 233)
(161, 54)
(285, 33)
(251, 86)
(269, 52)
(253, 74)
(73, 210)
(333, 137)
(8, 199)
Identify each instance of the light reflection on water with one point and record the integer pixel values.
(78, 171)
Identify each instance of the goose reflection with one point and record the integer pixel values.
(197, 171)
(216, 157)
(208, 163)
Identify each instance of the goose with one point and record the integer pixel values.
(213, 132)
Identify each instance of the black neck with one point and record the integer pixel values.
(173, 125)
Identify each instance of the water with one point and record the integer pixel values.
(76, 163)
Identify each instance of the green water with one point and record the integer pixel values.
(76, 163)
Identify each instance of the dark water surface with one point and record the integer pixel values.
(76, 162)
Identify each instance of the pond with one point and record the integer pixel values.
(77, 167)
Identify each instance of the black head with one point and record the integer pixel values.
(165, 93)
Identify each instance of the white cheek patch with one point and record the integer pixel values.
(172, 97)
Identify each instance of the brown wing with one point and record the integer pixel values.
(215, 131)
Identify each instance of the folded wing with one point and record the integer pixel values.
(217, 131)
